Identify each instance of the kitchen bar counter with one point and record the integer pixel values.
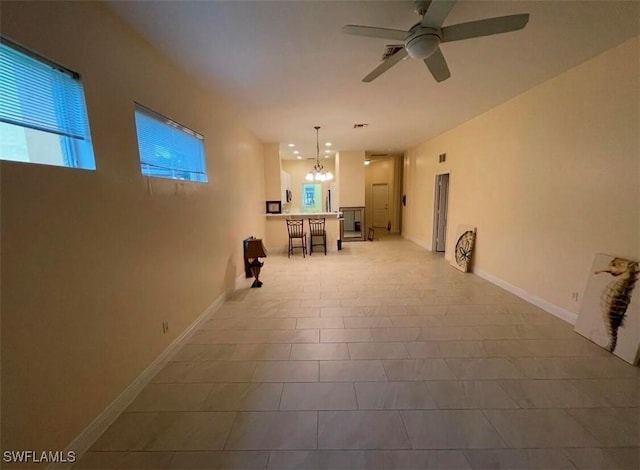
(304, 215)
(277, 239)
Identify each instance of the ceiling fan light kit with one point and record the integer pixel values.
(423, 40)
(318, 172)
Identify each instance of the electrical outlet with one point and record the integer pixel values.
(575, 296)
(165, 326)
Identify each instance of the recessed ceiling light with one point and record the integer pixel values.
(299, 157)
(295, 152)
(328, 144)
(292, 145)
(367, 162)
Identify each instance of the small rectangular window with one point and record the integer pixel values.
(43, 116)
(168, 149)
(311, 197)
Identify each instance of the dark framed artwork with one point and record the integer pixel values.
(274, 207)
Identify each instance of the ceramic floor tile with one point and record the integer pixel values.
(319, 396)
(396, 334)
(605, 459)
(206, 372)
(220, 460)
(450, 430)
(274, 430)
(394, 396)
(469, 394)
(547, 394)
(361, 430)
(243, 397)
(345, 335)
(286, 371)
(204, 352)
(417, 369)
(449, 333)
(167, 431)
(171, 397)
(321, 351)
(250, 324)
(613, 427)
(352, 371)
(341, 311)
(484, 368)
(610, 392)
(371, 342)
(330, 322)
(260, 352)
(124, 460)
(378, 351)
(368, 459)
(540, 459)
(367, 322)
(550, 428)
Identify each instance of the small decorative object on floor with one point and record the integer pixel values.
(372, 233)
(609, 315)
(465, 239)
(255, 250)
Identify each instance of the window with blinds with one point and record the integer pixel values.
(43, 116)
(168, 149)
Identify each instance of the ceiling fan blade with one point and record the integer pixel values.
(385, 65)
(474, 29)
(436, 13)
(373, 32)
(437, 65)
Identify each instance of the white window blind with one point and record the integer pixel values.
(168, 149)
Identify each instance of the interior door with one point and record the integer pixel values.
(380, 202)
(440, 213)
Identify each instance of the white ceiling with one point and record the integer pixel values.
(285, 66)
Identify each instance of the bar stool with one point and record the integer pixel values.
(295, 228)
(317, 229)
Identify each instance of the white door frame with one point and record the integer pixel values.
(440, 211)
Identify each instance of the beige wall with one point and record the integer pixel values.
(350, 178)
(272, 188)
(94, 262)
(549, 178)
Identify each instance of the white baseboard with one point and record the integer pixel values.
(99, 425)
(559, 312)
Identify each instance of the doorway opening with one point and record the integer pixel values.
(440, 208)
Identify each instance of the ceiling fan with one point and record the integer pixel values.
(423, 40)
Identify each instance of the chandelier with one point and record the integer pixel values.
(318, 173)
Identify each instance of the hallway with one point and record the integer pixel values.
(379, 356)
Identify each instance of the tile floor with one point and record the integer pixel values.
(379, 356)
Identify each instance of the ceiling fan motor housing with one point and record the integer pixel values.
(422, 42)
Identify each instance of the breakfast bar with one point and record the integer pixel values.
(277, 239)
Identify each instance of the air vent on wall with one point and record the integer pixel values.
(379, 154)
(360, 126)
(443, 157)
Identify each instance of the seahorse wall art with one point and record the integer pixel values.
(610, 314)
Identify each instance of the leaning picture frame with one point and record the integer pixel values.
(274, 207)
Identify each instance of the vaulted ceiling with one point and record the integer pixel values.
(283, 67)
